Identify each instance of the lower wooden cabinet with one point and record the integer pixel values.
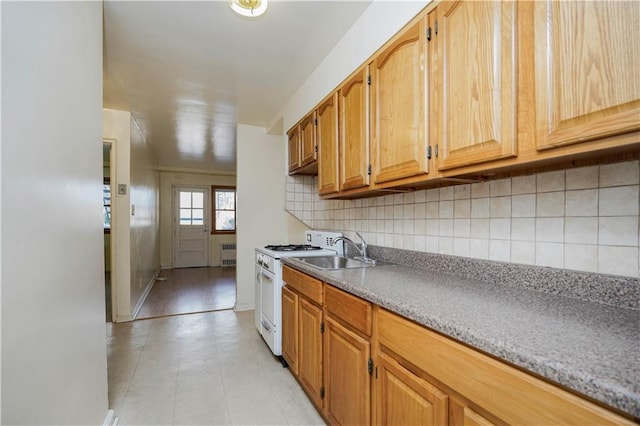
(361, 364)
(463, 415)
(404, 398)
(490, 389)
(310, 349)
(347, 377)
(290, 328)
(347, 358)
(302, 325)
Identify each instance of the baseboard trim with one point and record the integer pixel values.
(146, 292)
(123, 318)
(239, 307)
(110, 419)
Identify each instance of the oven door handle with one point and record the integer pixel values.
(265, 325)
(267, 276)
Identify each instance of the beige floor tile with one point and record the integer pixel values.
(301, 412)
(249, 411)
(150, 411)
(201, 369)
(196, 411)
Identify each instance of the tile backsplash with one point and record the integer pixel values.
(583, 219)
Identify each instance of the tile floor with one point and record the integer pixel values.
(207, 368)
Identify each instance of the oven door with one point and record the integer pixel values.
(269, 329)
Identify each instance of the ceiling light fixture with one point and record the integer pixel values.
(250, 8)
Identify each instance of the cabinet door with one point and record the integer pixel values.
(403, 398)
(476, 75)
(327, 140)
(354, 131)
(308, 139)
(290, 328)
(347, 378)
(398, 112)
(587, 57)
(462, 415)
(310, 349)
(294, 148)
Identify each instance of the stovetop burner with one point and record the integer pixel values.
(292, 247)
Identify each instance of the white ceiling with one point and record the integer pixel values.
(189, 71)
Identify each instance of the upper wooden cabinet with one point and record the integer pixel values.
(485, 88)
(327, 140)
(308, 150)
(475, 73)
(398, 106)
(302, 146)
(294, 148)
(587, 57)
(354, 131)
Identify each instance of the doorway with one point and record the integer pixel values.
(107, 225)
(191, 227)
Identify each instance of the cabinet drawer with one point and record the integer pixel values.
(352, 310)
(303, 284)
(504, 391)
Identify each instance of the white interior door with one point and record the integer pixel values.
(191, 227)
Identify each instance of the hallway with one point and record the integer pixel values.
(190, 290)
(208, 368)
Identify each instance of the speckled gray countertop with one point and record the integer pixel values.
(588, 347)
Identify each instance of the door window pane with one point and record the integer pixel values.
(185, 200)
(197, 200)
(185, 216)
(197, 216)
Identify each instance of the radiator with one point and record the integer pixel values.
(228, 254)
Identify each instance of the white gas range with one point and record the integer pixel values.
(268, 284)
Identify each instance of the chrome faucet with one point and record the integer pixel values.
(362, 247)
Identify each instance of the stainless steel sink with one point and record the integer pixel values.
(334, 262)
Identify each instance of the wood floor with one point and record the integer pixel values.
(190, 290)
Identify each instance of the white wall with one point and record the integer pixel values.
(379, 22)
(261, 217)
(117, 130)
(54, 362)
(168, 181)
(145, 216)
(135, 237)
